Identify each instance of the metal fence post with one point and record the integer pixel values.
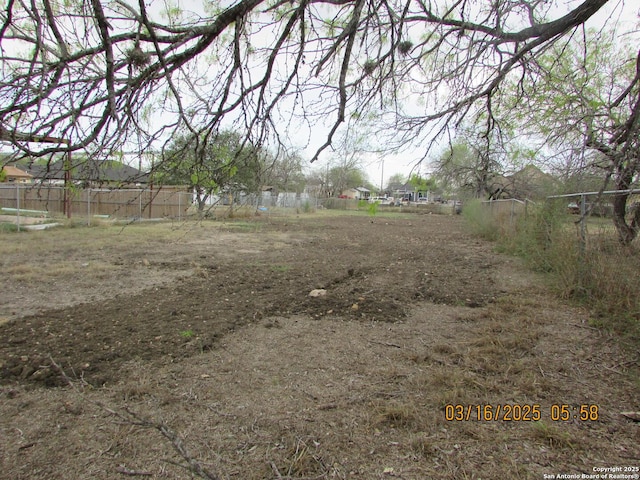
(583, 226)
(18, 205)
(88, 206)
(513, 206)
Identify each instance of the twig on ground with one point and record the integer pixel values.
(386, 344)
(193, 465)
(66, 378)
(125, 471)
(613, 370)
(635, 416)
(584, 326)
(276, 472)
(629, 363)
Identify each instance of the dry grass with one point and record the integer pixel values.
(46, 271)
(605, 276)
(75, 238)
(553, 437)
(398, 415)
(298, 457)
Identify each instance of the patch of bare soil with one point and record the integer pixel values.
(226, 364)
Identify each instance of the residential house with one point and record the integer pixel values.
(528, 183)
(90, 173)
(403, 192)
(13, 174)
(358, 193)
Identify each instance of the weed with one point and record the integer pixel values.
(480, 220)
(187, 333)
(7, 227)
(306, 207)
(281, 268)
(552, 436)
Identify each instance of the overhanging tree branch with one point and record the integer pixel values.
(117, 73)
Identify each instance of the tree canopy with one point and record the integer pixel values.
(97, 75)
(210, 165)
(583, 100)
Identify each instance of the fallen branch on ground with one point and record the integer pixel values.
(125, 471)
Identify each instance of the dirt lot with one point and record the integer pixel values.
(161, 350)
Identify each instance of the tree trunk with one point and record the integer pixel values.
(201, 204)
(201, 198)
(627, 232)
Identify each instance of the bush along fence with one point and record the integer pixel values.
(570, 238)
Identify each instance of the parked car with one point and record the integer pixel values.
(593, 209)
(381, 200)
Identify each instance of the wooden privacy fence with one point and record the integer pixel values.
(122, 203)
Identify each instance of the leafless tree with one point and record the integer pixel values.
(120, 74)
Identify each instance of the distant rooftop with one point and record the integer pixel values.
(95, 171)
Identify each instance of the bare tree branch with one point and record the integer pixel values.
(106, 75)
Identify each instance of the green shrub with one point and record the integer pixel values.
(306, 207)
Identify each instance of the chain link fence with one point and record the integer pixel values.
(507, 211)
(589, 213)
(593, 212)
